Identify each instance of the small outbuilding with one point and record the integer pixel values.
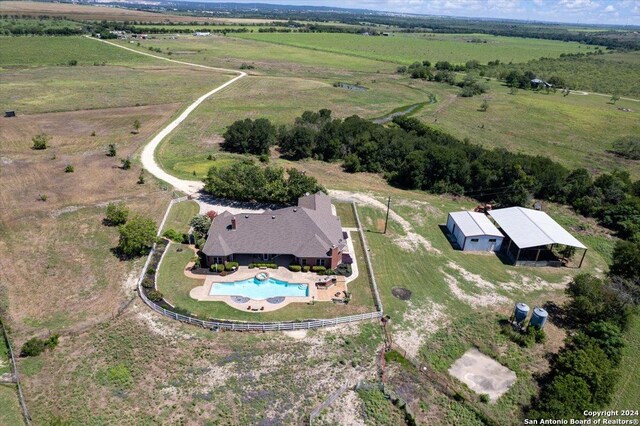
(474, 231)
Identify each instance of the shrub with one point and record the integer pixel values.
(306, 268)
(229, 266)
(126, 163)
(73, 62)
(295, 268)
(173, 235)
(154, 295)
(344, 269)
(141, 178)
(117, 214)
(32, 347)
(42, 197)
(35, 346)
(216, 267)
(69, 169)
(111, 150)
(330, 272)
(40, 141)
(200, 243)
(151, 271)
(137, 236)
(484, 398)
(251, 266)
(148, 283)
(318, 269)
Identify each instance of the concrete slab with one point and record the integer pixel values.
(483, 374)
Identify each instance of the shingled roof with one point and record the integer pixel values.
(308, 230)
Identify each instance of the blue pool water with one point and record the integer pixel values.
(258, 290)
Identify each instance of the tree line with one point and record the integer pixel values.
(584, 373)
(413, 155)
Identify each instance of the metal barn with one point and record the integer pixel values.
(533, 237)
(474, 231)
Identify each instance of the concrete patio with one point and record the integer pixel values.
(202, 293)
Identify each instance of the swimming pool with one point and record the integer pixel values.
(259, 290)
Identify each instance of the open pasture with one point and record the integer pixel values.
(97, 87)
(197, 376)
(575, 130)
(406, 49)
(25, 52)
(269, 58)
(58, 268)
(279, 99)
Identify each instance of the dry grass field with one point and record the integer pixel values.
(99, 13)
(57, 267)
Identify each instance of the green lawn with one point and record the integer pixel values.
(9, 406)
(176, 286)
(180, 215)
(406, 49)
(10, 413)
(627, 394)
(346, 214)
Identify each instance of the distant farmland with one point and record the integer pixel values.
(405, 49)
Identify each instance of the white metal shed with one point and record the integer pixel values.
(474, 231)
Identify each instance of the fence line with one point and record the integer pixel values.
(365, 248)
(14, 369)
(330, 400)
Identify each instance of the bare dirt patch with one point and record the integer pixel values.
(419, 322)
(488, 297)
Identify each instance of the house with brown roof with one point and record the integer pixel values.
(307, 234)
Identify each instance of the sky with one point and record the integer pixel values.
(626, 12)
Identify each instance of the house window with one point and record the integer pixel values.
(474, 240)
(492, 240)
(218, 260)
(320, 262)
(303, 261)
(266, 256)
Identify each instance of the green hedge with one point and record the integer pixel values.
(263, 265)
(306, 268)
(295, 268)
(218, 267)
(318, 269)
(229, 266)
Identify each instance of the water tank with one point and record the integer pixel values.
(521, 312)
(539, 318)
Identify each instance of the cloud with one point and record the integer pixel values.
(610, 9)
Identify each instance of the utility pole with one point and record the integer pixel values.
(386, 221)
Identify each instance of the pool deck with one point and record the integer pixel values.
(201, 293)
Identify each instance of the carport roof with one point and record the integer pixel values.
(532, 228)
